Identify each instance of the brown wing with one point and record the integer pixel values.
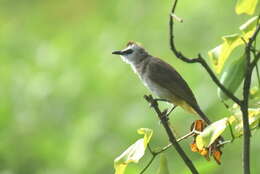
(167, 77)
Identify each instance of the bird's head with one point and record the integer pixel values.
(133, 53)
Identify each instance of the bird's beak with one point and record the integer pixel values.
(117, 52)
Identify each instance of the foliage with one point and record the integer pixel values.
(232, 76)
(133, 153)
(246, 6)
(68, 106)
(211, 133)
(208, 141)
(220, 54)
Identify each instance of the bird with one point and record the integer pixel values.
(161, 78)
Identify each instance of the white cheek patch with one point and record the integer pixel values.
(129, 58)
(129, 62)
(125, 59)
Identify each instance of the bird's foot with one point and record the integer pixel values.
(165, 117)
(153, 102)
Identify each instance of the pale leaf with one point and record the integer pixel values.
(211, 133)
(133, 153)
(220, 54)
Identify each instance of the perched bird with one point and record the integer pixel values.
(161, 78)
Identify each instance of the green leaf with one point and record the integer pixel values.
(254, 117)
(254, 97)
(211, 133)
(246, 6)
(147, 134)
(163, 169)
(249, 27)
(220, 54)
(232, 76)
(237, 122)
(133, 153)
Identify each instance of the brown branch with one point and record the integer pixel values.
(244, 107)
(249, 45)
(155, 153)
(198, 59)
(247, 82)
(151, 160)
(244, 110)
(163, 118)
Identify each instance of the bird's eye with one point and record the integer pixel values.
(129, 51)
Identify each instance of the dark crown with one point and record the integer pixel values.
(130, 43)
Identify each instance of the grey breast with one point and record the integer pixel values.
(144, 71)
(166, 81)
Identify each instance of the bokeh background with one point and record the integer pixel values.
(67, 105)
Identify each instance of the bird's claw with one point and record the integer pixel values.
(165, 117)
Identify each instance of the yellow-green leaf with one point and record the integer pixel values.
(254, 97)
(249, 25)
(211, 133)
(163, 169)
(246, 6)
(133, 153)
(214, 55)
(220, 54)
(248, 28)
(254, 119)
(147, 134)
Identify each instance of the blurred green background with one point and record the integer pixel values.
(68, 105)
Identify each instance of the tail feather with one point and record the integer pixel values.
(206, 119)
(202, 115)
(194, 110)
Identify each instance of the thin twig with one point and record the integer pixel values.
(231, 132)
(254, 62)
(155, 153)
(163, 118)
(247, 82)
(251, 40)
(257, 23)
(148, 165)
(256, 66)
(164, 149)
(198, 59)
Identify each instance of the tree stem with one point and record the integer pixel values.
(163, 117)
(247, 83)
